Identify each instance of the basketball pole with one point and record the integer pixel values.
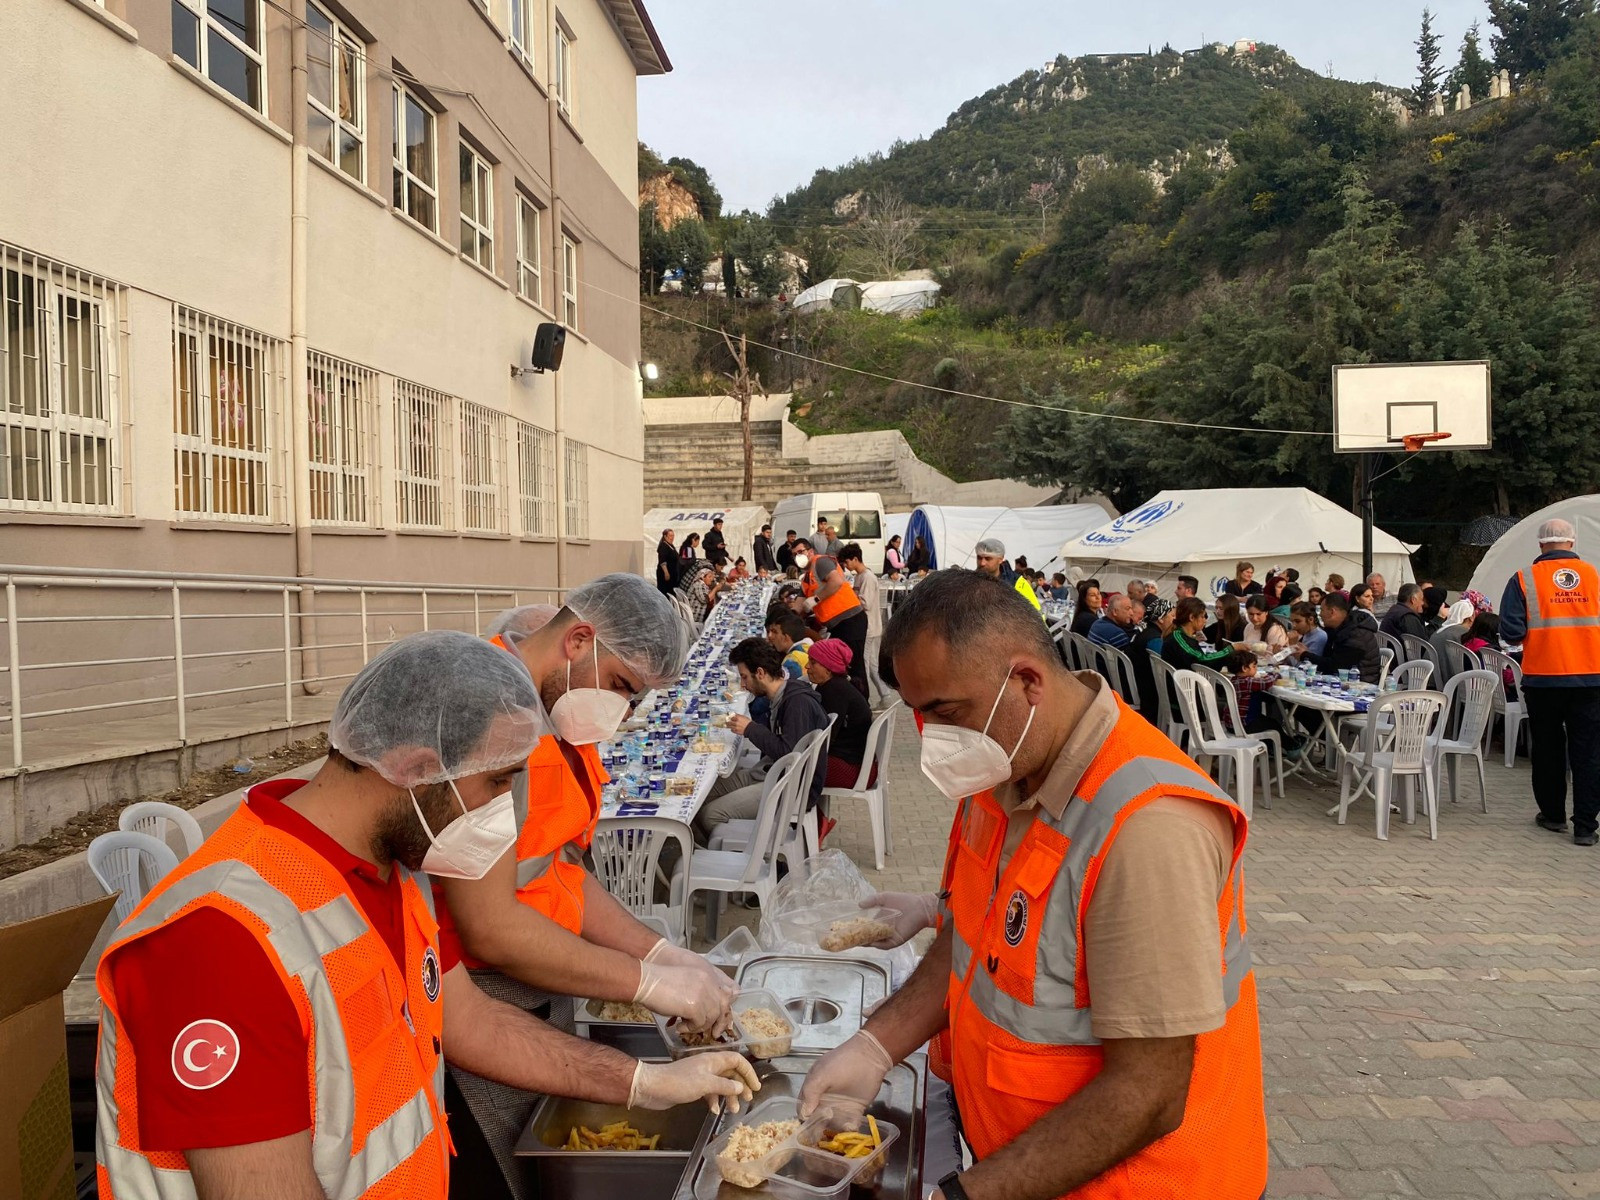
(1365, 473)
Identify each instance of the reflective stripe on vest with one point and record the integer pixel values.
(300, 940)
(1563, 637)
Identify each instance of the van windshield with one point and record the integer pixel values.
(854, 524)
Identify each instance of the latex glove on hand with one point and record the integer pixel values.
(846, 1079)
(718, 1077)
(909, 912)
(676, 956)
(687, 992)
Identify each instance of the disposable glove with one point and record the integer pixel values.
(676, 956)
(718, 1077)
(846, 1079)
(687, 992)
(909, 912)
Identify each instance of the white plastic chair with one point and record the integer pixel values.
(1454, 659)
(1085, 657)
(1419, 649)
(1233, 726)
(1394, 745)
(1198, 702)
(1393, 643)
(1117, 667)
(627, 862)
(1409, 676)
(1511, 706)
(799, 839)
(128, 864)
(879, 738)
(1385, 657)
(753, 868)
(1469, 699)
(153, 817)
(1171, 722)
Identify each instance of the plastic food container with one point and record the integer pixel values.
(731, 950)
(796, 1168)
(762, 1043)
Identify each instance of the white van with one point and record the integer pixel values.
(858, 516)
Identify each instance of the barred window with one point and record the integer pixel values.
(342, 410)
(60, 387)
(483, 469)
(228, 384)
(536, 459)
(577, 481)
(422, 420)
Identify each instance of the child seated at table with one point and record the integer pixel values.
(1251, 689)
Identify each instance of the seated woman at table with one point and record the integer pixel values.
(1265, 629)
(1230, 625)
(1361, 602)
(1314, 596)
(828, 667)
(1243, 582)
(1088, 611)
(1351, 645)
(1288, 596)
(740, 570)
(1304, 629)
(1484, 634)
(1185, 645)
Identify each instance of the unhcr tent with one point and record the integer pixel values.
(830, 293)
(1207, 533)
(1518, 548)
(739, 527)
(900, 298)
(951, 533)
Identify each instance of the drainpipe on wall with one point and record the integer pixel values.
(559, 259)
(300, 401)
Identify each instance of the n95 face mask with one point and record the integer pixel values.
(961, 762)
(472, 843)
(584, 716)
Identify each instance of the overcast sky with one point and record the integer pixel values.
(764, 92)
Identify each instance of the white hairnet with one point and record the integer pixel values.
(521, 621)
(635, 622)
(437, 706)
(1557, 530)
(992, 546)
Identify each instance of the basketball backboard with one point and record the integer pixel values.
(1376, 406)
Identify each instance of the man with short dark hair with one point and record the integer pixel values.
(784, 555)
(1090, 984)
(1188, 585)
(796, 710)
(786, 630)
(715, 545)
(1405, 616)
(1350, 645)
(866, 586)
(669, 565)
(766, 564)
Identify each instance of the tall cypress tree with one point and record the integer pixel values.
(1474, 70)
(1428, 72)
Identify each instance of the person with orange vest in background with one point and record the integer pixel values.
(1089, 991)
(1553, 608)
(277, 1012)
(539, 928)
(838, 611)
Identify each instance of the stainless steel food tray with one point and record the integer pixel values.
(826, 996)
(900, 1101)
(603, 1173)
(635, 1038)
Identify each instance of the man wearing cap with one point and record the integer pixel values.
(277, 1011)
(1553, 608)
(538, 927)
(761, 553)
(836, 609)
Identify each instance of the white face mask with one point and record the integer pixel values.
(584, 716)
(961, 762)
(473, 842)
(802, 561)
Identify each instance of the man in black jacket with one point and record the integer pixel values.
(785, 553)
(796, 710)
(1350, 644)
(765, 561)
(669, 567)
(716, 546)
(1406, 615)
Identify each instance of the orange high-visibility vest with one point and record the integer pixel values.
(1019, 1010)
(837, 605)
(1563, 635)
(373, 1028)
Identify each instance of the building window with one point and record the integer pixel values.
(421, 456)
(536, 485)
(577, 481)
(228, 394)
(343, 405)
(336, 84)
(569, 282)
(483, 469)
(521, 34)
(416, 160)
(223, 40)
(563, 68)
(60, 388)
(528, 249)
(477, 208)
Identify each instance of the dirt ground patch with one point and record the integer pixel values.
(77, 833)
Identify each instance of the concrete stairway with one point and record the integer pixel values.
(704, 464)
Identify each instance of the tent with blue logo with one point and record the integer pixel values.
(740, 524)
(1206, 533)
(951, 532)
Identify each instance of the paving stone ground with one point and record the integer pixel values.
(1430, 1010)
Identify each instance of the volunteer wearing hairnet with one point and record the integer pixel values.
(538, 927)
(277, 1010)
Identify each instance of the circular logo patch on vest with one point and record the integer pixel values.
(204, 1053)
(1566, 579)
(1016, 918)
(430, 974)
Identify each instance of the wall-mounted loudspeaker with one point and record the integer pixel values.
(549, 343)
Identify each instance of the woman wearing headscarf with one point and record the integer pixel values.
(1433, 599)
(828, 669)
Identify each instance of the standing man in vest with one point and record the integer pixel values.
(1125, 1066)
(1553, 609)
(839, 610)
(278, 1009)
(539, 928)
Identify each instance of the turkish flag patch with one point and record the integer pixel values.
(204, 1053)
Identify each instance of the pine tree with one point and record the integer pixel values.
(1427, 66)
(1474, 70)
(1528, 33)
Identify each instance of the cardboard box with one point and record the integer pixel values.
(41, 957)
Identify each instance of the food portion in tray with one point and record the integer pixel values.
(619, 1135)
(850, 932)
(620, 1012)
(770, 1033)
(742, 1161)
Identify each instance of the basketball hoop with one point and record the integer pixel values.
(1414, 442)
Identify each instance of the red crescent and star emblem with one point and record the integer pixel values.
(204, 1054)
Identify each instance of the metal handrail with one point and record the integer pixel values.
(265, 654)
